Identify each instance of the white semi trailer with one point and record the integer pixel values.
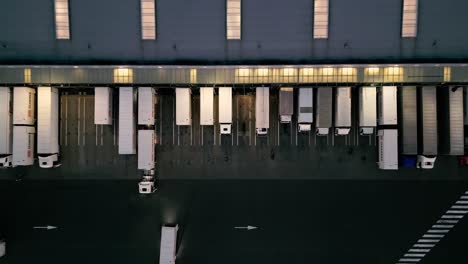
(388, 131)
(127, 124)
(146, 160)
(206, 106)
(5, 127)
(451, 121)
(428, 136)
(409, 118)
(305, 105)
(23, 126)
(342, 111)
(225, 110)
(367, 110)
(183, 107)
(262, 110)
(103, 106)
(146, 102)
(48, 150)
(168, 249)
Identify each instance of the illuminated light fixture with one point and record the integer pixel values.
(327, 71)
(148, 20)
(233, 19)
(394, 71)
(347, 71)
(27, 75)
(193, 75)
(243, 72)
(447, 74)
(289, 72)
(372, 70)
(123, 75)
(409, 20)
(307, 71)
(62, 19)
(263, 72)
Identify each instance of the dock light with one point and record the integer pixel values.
(307, 71)
(347, 71)
(372, 70)
(263, 72)
(327, 71)
(243, 72)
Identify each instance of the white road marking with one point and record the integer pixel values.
(409, 260)
(442, 226)
(423, 245)
(456, 212)
(447, 221)
(428, 240)
(433, 236)
(438, 231)
(425, 250)
(462, 202)
(459, 207)
(411, 255)
(452, 216)
(79, 119)
(464, 197)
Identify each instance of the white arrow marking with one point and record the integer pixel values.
(45, 227)
(246, 227)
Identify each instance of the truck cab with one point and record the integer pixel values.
(366, 131)
(342, 131)
(48, 161)
(225, 129)
(322, 131)
(425, 162)
(304, 127)
(262, 131)
(5, 161)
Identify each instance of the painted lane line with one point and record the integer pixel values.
(462, 202)
(409, 260)
(456, 212)
(447, 221)
(444, 231)
(452, 217)
(423, 245)
(433, 236)
(464, 197)
(459, 207)
(411, 255)
(428, 240)
(443, 226)
(424, 250)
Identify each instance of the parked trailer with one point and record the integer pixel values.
(324, 111)
(23, 145)
(388, 149)
(409, 118)
(127, 124)
(5, 127)
(103, 106)
(48, 127)
(146, 102)
(24, 99)
(451, 126)
(168, 249)
(367, 110)
(388, 105)
(305, 116)
(146, 143)
(342, 111)
(428, 141)
(206, 106)
(225, 109)
(262, 110)
(286, 104)
(183, 107)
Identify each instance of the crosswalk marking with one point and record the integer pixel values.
(425, 250)
(462, 202)
(459, 207)
(438, 231)
(433, 236)
(452, 216)
(424, 245)
(456, 212)
(414, 255)
(442, 226)
(410, 259)
(428, 240)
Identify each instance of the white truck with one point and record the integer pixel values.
(286, 104)
(262, 110)
(324, 111)
(388, 131)
(127, 124)
(103, 106)
(342, 111)
(428, 137)
(146, 102)
(388, 149)
(168, 249)
(225, 110)
(183, 107)
(23, 126)
(48, 150)
(305, 105)
(206, 106)
(367, 110)
(5, 128)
